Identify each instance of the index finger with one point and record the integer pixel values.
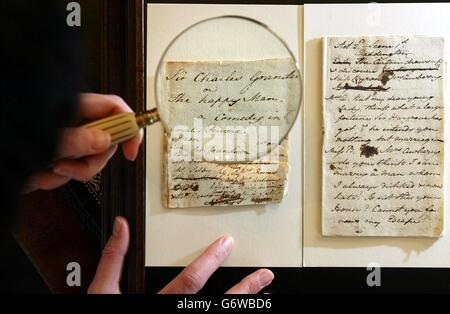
(96, 106)
(194, 276)
(109, 270)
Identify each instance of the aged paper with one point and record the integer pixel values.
(383, 112)
(258, 98)
(203, 183)
(229, 155)
(223, 93)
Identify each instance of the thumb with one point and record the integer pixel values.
(109, 270)
(78, 142)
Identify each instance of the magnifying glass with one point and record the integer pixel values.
(226, 72)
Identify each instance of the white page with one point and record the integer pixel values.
(265, 235)
(358, 20)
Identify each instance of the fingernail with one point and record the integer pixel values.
(101, 139)
(61, 171)
(131, 157)
(265, 278)
(227, 243)
(134, 156)
(117, 226)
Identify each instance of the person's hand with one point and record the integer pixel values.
(109, 270)
(92, 145)
(189, 281)
(195, 275)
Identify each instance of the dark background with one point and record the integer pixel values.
(62, 226)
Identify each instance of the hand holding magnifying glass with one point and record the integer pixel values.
(229, 38)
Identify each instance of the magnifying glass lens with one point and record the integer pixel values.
(231, 82)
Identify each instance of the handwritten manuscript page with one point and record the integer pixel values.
(204, 183)
(383, 149)
(235, 94)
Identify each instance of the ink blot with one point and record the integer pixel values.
(332, 167)
(385, 76)
(368, 151)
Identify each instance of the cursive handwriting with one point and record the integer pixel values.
(383, 143)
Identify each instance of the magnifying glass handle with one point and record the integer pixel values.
(124, 126)
(121, 127)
